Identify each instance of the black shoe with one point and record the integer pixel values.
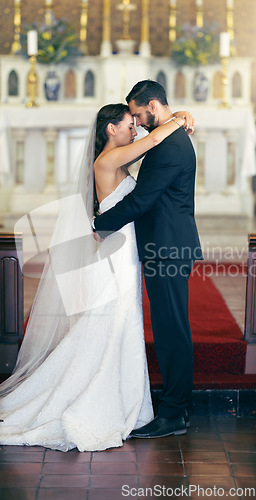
(186, 418)
(161, 427)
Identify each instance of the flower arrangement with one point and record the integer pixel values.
(196, 46)
(56, 43)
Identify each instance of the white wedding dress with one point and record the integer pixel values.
(93, 388)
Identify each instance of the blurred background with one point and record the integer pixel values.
(61, 61)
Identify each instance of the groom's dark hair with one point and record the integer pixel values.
(145, 91)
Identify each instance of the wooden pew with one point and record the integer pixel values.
(250, 305)
(11, 300)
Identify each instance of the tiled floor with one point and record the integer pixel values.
(217, 454)
(217, 457)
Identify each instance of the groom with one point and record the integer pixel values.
(162, 206)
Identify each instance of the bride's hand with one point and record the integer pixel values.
(189, 120)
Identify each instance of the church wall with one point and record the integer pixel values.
(214, 10)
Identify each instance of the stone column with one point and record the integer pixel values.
(34, 161)
(231, 136)
(145, 49)
(106, 47)
(201, 136)
(19, 136)
(51, 136)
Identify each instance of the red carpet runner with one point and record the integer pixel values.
(219, 349)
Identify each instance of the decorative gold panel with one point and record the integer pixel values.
(214, 10)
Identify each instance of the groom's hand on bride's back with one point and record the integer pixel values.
(96, 236)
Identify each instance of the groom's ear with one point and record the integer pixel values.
(152, 106)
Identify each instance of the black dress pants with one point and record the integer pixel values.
(167, 288)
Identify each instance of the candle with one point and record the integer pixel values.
(32, 43)
(224, 45)
(230, 4)
(48, 3)
(199, 3)
(173, 3)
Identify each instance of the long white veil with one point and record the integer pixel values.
(59, 302)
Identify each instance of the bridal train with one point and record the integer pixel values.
(93, 388)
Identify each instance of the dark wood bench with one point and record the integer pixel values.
(250, 307)
(11, 300)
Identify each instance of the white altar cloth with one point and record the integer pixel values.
(217, 126)
(237, 119)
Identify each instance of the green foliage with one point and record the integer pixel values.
(55, 44)
(196, 46)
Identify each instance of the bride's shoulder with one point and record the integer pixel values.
(98, 162)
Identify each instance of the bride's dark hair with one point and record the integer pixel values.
(111, 113)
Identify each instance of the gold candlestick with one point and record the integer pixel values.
(199, 15)
(83, 27)
(230, 19)
(126, 7)
(106, 47)
(144, 48)
(106, 21)
(172, 21)
(144, 21)
(32, 84)
(48, 18)
(17, 23)
(224, 83)
(230, 25)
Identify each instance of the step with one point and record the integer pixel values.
(236, 402)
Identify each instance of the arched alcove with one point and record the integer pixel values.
(217, 85)
(180, 86)
(89, 84)
(237, 85)
(70, 85)
(161, 78)
(13, 84)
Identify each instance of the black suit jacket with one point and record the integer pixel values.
(162, 203)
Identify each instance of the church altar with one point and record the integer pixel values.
(224, 141)
(40, 147)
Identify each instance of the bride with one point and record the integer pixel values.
(81, 377)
